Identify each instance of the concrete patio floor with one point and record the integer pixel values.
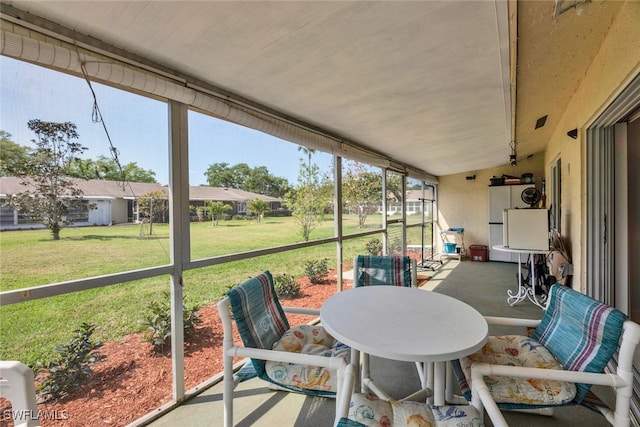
(483, 285)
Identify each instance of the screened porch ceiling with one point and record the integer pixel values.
(427, 83)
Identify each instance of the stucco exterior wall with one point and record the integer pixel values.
(617, 62)
(119, 214)
(465, 203)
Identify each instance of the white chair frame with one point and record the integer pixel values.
(621, 381)
(232, 350)
(18, 387)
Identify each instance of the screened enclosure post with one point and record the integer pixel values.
(385, 232)
(404, 214)
(337, 215)
(179, 225)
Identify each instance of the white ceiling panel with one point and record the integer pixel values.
(424, 82)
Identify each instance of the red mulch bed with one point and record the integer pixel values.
(132, 381)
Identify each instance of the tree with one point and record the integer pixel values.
(12, 156)
(259, 207)
(223, 175)
(242, 176)
(52, 197)
(308, 200)
(394, 187)
(108, 169)
(362, 190)
(308, 151)
(216, 210)
(262, 182)
(154, 207)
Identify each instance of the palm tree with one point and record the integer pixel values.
(217, 209)
(259, 207)
(308, 151)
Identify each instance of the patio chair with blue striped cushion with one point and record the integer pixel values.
(370, 270)
(304, 359)
(566, 354)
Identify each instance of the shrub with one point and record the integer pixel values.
(374, 246)
(71, 367)
(158, 322)
(278, 214)
(286, 286)
(315, 270)
(395, 246)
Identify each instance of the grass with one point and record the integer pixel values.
(31, 330)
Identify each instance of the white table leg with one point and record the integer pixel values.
(513, 299)
(366, 374)
(439, 383)
(429, 372)
(449, 384)
(355, 361)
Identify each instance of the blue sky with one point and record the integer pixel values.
(137, 125)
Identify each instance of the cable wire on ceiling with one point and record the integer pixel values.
(96, 117)
(132, 76)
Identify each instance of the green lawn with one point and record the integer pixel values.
(31, 330)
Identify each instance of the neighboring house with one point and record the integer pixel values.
(416, 200)
(237, 198)
(116, 204)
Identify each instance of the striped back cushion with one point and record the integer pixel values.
(582, 333)
(382, 270)
(258, 314)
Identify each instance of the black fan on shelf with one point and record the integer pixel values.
(531, 196)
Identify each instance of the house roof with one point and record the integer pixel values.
(220, 193)
(97, 188)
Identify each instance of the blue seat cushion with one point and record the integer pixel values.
(582, 333)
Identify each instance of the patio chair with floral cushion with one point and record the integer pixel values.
(568, 352)
(304, 359)
(367, 410)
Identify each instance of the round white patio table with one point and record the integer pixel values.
(524, 291)
(406, 324)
